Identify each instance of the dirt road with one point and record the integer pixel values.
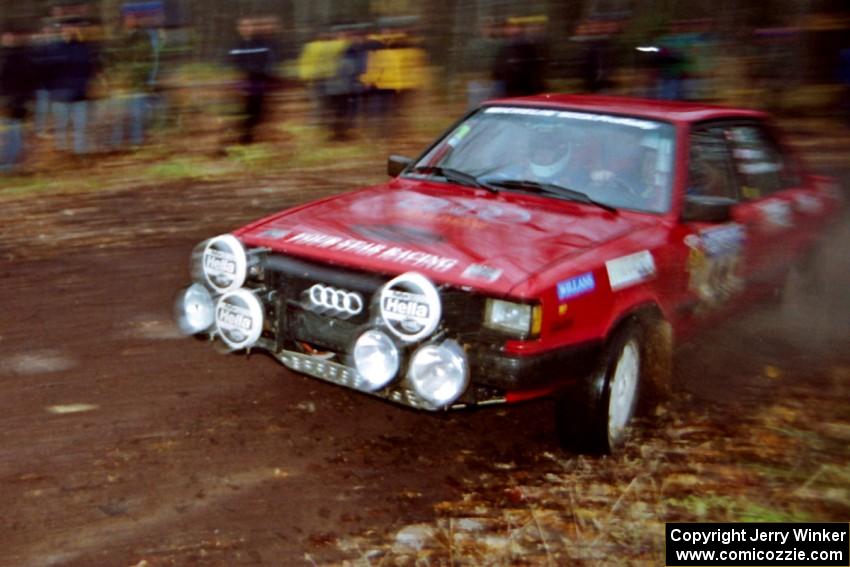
(123, 444)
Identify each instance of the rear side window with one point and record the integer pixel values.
(710, 170)
(761, 167)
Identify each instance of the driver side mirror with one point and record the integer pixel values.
(397, 164)
(705, 208)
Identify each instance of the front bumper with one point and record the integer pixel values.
(496, 378)
(319, 343)
(547, 370)
(342, 375)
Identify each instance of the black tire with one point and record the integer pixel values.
(583, 415)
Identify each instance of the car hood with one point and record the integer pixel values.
(458, 236)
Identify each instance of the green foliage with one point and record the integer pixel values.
(19, 186)
(253, 156)
(176, 168)
(717, 508)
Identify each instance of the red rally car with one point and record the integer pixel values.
(544, 246)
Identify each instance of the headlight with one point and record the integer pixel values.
(220, 263)
(439, 373)
(518, 319)
(376, 359)
(194, 310)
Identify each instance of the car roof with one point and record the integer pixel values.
(663, 110)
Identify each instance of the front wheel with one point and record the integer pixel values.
(594, 416)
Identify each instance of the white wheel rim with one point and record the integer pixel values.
(623, 391)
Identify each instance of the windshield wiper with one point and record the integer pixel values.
(550, 189)
(455, 176)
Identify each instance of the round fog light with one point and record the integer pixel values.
(194, 310)
(223, 263)
(376, 359)
(439, 373)
(239, 318)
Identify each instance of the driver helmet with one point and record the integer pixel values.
(549, 151)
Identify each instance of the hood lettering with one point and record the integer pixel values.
(396, 254)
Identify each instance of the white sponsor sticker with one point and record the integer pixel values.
(481, 272)
(759, 168)
(808, 204)
(746, 153)
(630, 270)
(777, 214)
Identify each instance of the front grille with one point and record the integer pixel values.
(290, 278)
(321, 331)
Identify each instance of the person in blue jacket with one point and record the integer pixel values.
(255, 57)
(75, 64)
(17, 85)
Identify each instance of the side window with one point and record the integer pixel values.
(710, 167)
(762, 169)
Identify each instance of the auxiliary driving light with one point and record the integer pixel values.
(194, 310)
(439, 373)
(239, 318)
(376, 359)
(222, 263)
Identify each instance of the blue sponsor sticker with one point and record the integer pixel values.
(576, 286)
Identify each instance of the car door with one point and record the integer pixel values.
(717, 263)
(769, 186)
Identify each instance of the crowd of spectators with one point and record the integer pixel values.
(48, 76)
(71, 85)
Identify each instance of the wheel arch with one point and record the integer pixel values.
(656, 347)
(582, 414)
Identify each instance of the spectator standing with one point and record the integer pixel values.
(478, 61)
(75, 65)
(844, 78)
(17, 88)
(397, 67)
(671, 74)
(318, 65)
(595, 67)
(45, 47)
(255, 57)
(345, 89)
(520, 65)
(681, 59)
(138, 63)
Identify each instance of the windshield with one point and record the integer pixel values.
(617, 161)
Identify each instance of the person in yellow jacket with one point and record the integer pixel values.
(396, 66)
(318, 64)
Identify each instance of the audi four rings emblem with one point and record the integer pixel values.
(338, 301)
